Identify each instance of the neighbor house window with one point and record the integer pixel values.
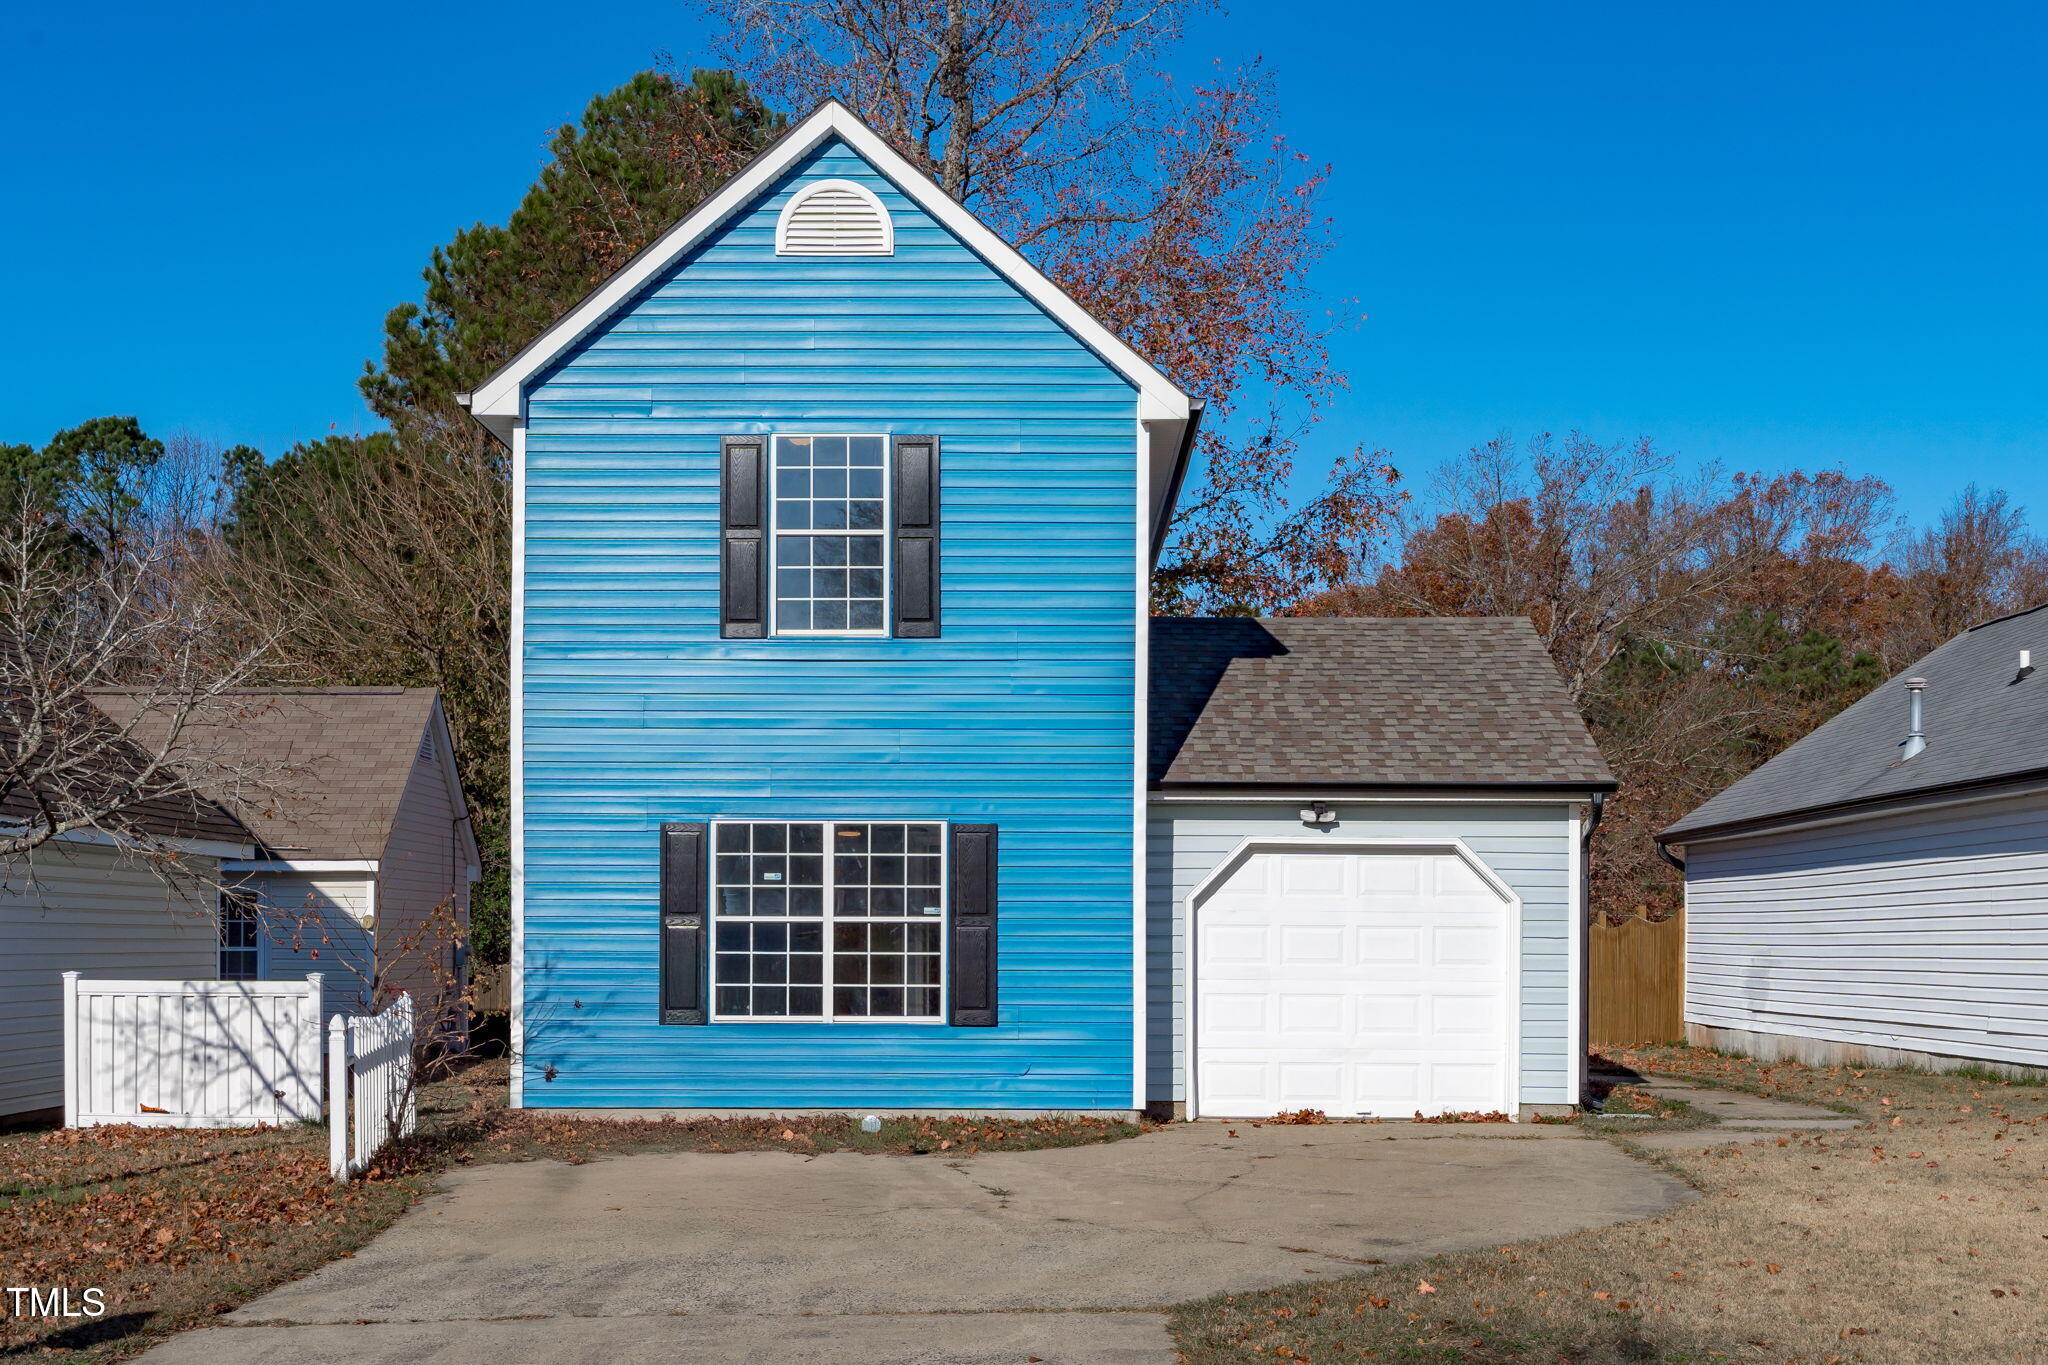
(240, 948)
(831, 531)
(827, 919)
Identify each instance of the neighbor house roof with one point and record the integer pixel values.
(115, 764)
(1985, 725)
(1395, 702)
(341, 757)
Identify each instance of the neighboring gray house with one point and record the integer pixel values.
(1878, 893)
(1366, 868)
(343, 871)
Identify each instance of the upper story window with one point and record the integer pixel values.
(831, 530)
(834, 218)
(828, 534)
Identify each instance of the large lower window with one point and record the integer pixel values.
(827, 919)
(240, 947)
(831, 535)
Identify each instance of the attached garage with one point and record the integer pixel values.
(1367, 869)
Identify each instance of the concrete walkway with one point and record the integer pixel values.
(1062, 1256)
(1743, 1117)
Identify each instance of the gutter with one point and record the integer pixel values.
(1467, 790)
(1181, 459)
(1872, 805)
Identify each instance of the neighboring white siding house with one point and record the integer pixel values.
(1878, 893)
(320, 922)
(367, 838)
(1924, 932)
(88, 910)
(348, 860)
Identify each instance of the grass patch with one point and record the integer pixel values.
(176, 1226)
(1917, 1239)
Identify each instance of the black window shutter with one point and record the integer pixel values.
(917, 537)
(743, 537)
(684, 955)
(973, 949)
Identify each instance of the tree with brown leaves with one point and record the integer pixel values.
(1185, 222)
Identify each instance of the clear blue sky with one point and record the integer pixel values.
(1766, 235)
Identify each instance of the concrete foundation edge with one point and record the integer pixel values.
(1791, 1047)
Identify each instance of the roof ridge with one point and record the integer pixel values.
(2009, 616)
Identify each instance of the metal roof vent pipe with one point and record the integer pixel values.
(1916, 718)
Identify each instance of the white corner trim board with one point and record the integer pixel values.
(834, 218)
(500, 400)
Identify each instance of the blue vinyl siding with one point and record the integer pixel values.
(636, 712)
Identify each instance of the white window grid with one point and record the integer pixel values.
(829, 922)
(882, 535)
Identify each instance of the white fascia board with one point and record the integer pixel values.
(499, 401)
(365, 866)
(198, 848)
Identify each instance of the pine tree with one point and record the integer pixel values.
(644, 155)
(391, 552)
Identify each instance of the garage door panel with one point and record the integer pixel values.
(1387, 947)
(1388, 1020)
(1235, 943)
(1249, 1015)
(1311, 876)
(1307, 1016)
(1477, 1017)
(1479, 945)
(1387, 1088)
(1386, 995)
(1303, 1084)
(1315, 944)
(1465, 1086)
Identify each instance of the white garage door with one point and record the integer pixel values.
(1354, 983)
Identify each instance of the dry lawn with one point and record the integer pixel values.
(1919, 1238)
(175, 1226)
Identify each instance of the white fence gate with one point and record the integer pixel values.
(370, 1099)
(191, 1054)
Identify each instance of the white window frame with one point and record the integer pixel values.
(886, 534)
(254, 900)
(828, 919)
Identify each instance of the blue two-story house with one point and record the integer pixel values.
(850, 774)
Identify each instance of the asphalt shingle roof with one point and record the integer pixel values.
(183, 816)
(1408, 701)
(343, 755)
(1984, 723)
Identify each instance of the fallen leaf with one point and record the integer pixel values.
(1425, 1287)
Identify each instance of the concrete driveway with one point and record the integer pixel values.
(1061, 1256)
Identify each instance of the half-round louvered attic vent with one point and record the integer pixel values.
(835, 218)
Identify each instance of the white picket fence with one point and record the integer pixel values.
(191, 1054)
(370, 1099)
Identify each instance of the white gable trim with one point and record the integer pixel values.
(499, 402)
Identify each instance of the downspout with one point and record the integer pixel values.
(1596, 808)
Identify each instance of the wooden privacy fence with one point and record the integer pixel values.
(191, 1054)
(1636, 980)
(370, 1084)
